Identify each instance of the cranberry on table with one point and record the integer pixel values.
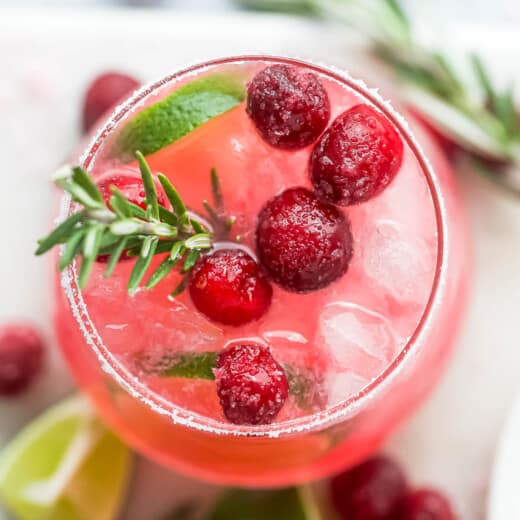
(103, 93)
(228, 287)
(251, 384)
(303, 243)
(288, 105)
(21, 356)
(356, 158)
(424, 504)
(369, 491)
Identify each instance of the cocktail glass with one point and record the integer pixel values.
(375, 341)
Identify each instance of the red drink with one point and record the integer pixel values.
(367, 347)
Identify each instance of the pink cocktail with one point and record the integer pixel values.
(362, 351)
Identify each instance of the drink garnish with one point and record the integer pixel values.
(289, 106)
(356, 158)
(166, 121)
(97, 229)
(304, 244)
(229, 287)
(304, 385)
(220, 221)
(221, 225)
(251, 385)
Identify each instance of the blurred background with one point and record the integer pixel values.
(506, 11)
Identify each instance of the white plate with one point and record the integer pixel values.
(46, 58)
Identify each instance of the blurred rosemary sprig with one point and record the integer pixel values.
(125, 228)
(484, 124)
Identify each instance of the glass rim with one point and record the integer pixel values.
(309, 423)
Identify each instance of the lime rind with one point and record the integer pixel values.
(289, 504)
(64, 411)
(64, 466)
(309, 503)
(166, 121)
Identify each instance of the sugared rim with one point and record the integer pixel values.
(310, 423)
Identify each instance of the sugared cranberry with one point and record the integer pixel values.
(303, 243)
(228, 287)
(370, 491)
(103, 93)
(129, 182)
(21, 353)
(424, 504)
(288, 105)
(251, 384)
(356, 158)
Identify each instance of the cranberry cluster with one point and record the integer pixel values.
(303, 240)
(377, 490)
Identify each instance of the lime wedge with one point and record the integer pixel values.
(191, 105)
(289, 504)
(65, 465)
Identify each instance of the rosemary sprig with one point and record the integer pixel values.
(219, 220)
(483, 121)
(125, 228)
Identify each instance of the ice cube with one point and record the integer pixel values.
(358, 340)
(398, 262)
(147, 323)
(340, 386)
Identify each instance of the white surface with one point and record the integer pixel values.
(51, 56)
(504, 498)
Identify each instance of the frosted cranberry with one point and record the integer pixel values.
(103, 93)
(251, 384)
(369, 491)
(288, 105)
(228, 287)
(21, 353)
(356, 158)
(424, 504)
(303, 243)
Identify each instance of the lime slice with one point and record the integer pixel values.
(289, 504)
(191, 105)
(64, 466)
